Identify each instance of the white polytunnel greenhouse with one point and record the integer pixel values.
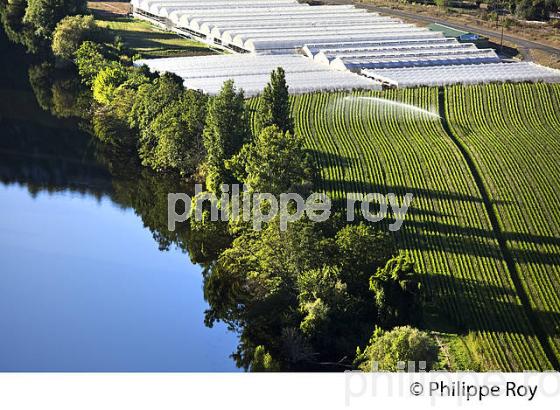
(252, 73)
(325, 56)
(241, 35)
(288, 21)
(464, 74)
(212, 30)
(184, 17)
(321, 47)
(414, 59)
(312, 49)
(281, 44)
(205, 24)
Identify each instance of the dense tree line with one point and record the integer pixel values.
(525, 9)
(303, 295)
(32, 22)
(532, 9)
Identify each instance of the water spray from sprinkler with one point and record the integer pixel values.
(397, 104)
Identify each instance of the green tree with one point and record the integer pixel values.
(535, 9)
(44, 15)
(323, 300)
(224, 134)
(150, 100)
(402, 344)
(178, 131)
(90, 60)
(362, 249)
(125, 94)
(11, 15)
(107, 81)
(110, 122)
(69, 34)
(263, 361)
(275, 162)
(274, 108)
(396, 289)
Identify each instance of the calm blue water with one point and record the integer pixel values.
(83, 284)
(83, 287)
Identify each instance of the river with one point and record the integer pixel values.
(89, 278)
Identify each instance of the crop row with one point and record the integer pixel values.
(513, 134)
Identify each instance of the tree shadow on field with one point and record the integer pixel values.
(436, 228)
(155, 41)
(431, 194)
(434, 236)
(470, 305)
(327, 158)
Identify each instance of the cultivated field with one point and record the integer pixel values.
(487, 249)
(517, 151)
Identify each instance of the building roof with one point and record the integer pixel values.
(453, 32)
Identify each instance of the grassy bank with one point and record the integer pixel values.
(147, 40)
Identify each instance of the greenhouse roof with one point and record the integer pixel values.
(252, 73)
(312, 49)
(283, 44)
(326, 56)
(465, 74)
(183, 17)
(216, 29)
(415, 61)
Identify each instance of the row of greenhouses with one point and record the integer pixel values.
(273, 26)
(252, 72)
(338, 42)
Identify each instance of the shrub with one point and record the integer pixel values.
(44, 15)
(107, 81)
(402, 344)
(90, 60)
(69, 34)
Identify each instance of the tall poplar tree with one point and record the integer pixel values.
(275, 104)
(226, 129)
